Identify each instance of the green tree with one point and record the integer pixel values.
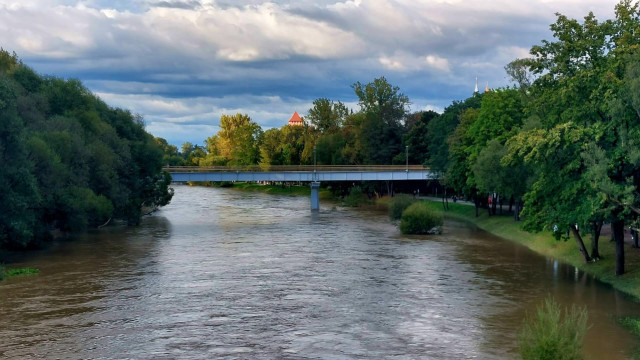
(171, 156)
(584, 79)
(417, 136)
(441, 128)
(327, 115)
(271, 147)
(379, 132)
(69, 160)
(238, 139)
(19, 196)
(382, 99)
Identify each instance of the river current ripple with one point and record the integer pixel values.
(226, 274)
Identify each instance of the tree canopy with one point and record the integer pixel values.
(70, 161)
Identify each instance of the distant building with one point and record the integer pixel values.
(295, 120)
(475, 91)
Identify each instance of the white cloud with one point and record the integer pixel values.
(438, 63)
(182, 63)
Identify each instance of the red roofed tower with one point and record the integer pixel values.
(295, 120)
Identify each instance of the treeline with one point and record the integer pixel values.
(562, 145)
(376, 134)
(68, 161)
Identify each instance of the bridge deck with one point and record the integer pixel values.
(302, 173)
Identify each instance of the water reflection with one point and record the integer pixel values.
(227, 274)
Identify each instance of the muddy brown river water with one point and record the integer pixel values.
(233, 275)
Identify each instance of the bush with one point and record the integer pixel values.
(419, 219)
(355, 197)
(553, 335)
(398, 205)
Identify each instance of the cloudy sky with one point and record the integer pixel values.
(183, 63)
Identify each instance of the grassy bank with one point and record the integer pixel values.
(564, 251)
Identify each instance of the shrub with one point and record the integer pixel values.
(398, 205)
(355, 197)
(553, 335)
(419, 219)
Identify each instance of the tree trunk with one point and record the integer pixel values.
(618, 235)
(581, 247)
(500, 204)
(475, 201)
(511, 199)
(445, 204)
(597, 228)
(613, 238)
(516, 210)
(446, 199)
(634, 236)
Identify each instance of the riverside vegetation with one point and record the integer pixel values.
(553, 334)
(69, 161)
(560, 147)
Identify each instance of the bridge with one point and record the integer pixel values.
(301, 173)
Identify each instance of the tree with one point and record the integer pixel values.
(380, 129)
(326, 115)
(271, 147)
(585, 78)
(19, 197)
(171, 156)
(382, 99)
(239, 139)
(69, 160)
(561, 194)
(417, 135)
(441, 128)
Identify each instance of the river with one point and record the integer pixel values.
(220, 273)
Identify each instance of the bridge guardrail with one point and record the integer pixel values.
(291, 168)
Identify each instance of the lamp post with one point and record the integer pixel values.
(407, 152)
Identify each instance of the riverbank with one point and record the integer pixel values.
(545, 244)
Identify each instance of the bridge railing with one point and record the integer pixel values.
(292, 168)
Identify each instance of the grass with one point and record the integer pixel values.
(633, 325)
(564, 251)
(7, 273)
(553, 334)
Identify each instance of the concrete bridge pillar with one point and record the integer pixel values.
(315, 197)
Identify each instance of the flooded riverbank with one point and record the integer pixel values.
(221, 273)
